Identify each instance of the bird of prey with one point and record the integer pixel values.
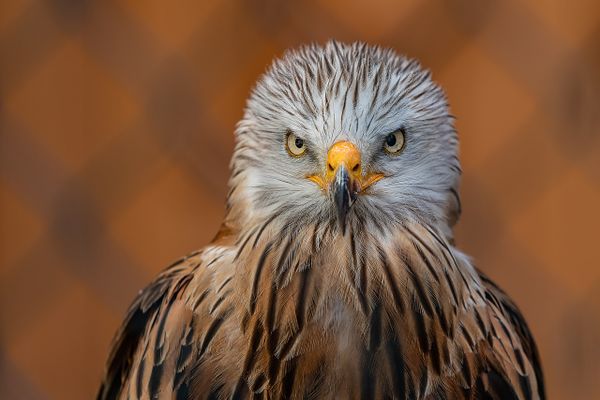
(334, 273)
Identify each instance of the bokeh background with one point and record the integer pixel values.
(116, 121)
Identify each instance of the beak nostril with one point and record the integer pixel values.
(356, 167)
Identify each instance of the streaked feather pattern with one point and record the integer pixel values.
(284, 305)
(286, 320)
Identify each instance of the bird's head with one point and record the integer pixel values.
(348, 133)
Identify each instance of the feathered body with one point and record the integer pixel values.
(286, 303)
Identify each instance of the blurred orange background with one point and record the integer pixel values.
(116, 129)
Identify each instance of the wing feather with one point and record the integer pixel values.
(152, 310)
(525, 352)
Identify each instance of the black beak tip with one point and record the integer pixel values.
(343, 196)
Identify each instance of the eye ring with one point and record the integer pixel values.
(394, 142)
(294, 145)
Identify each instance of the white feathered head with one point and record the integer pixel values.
(352, 134)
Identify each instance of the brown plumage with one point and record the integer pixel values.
(289, 303)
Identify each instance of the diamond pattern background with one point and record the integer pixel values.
(116, 121)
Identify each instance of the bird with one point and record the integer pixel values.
(335, 273)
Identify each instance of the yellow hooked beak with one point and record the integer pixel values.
(345, 154)
(344, 178)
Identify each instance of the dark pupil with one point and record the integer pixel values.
(390, 140)
(299, 143)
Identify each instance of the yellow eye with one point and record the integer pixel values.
(394, 142)
(294, 145)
